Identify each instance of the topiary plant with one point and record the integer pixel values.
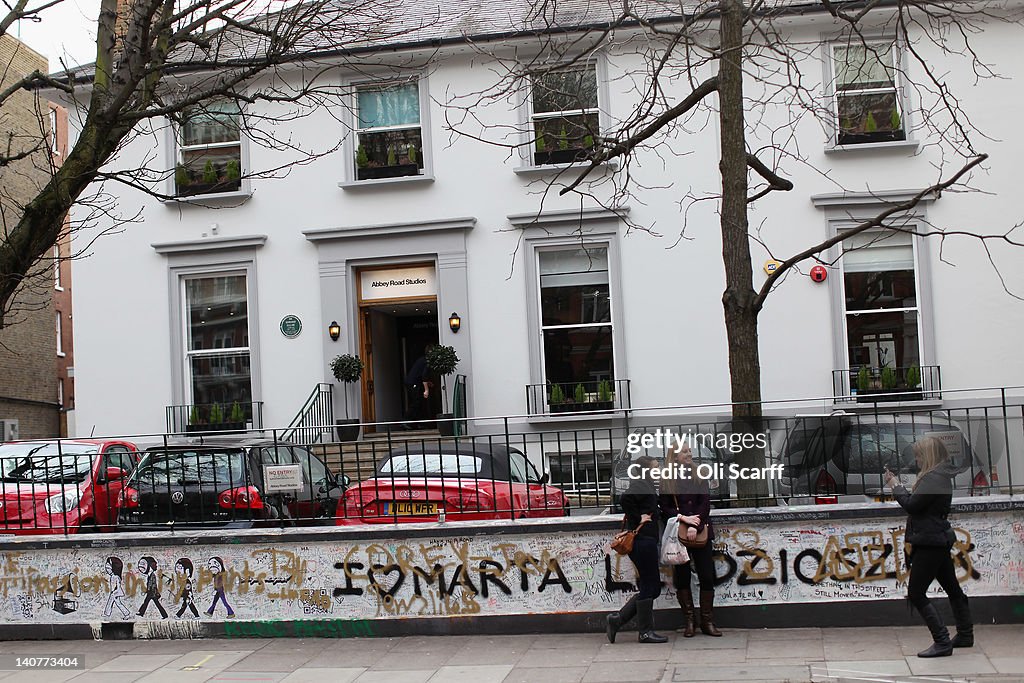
(870, 125)
(443, 360)
(913, 376)
(362, 158)
(347, 368)
(392, 157)
(889, 378)
(237, 415)
(894, 120)
(604, 391)
(209, 173)
(216, 414)
(181, 177)
(412, 154)
(233, 170)
(864, 379)
(580, 394)
(193, 416)
(557, 395)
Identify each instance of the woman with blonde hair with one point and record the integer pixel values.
(687, 497)
(929, 538)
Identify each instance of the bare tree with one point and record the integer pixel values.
(738, 62)
(160, 61)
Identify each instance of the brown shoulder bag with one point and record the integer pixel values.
(622, 542)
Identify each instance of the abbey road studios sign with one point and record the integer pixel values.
(398, 283)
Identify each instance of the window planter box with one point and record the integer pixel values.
(213, 429)
(377, 172)
(868, 138)
(588, 407)
(878, 395)
(560, 156)
(193, 189)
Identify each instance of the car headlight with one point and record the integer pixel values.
(62, 502)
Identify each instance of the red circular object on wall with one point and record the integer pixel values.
(819, 273)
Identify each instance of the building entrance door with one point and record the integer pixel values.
(394, 339)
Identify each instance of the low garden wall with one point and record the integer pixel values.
(775, 567)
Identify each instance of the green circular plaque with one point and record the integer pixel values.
(291, 326)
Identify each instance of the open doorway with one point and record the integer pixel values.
(394, 336)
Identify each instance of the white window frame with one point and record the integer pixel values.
(528, 116)
(214, 353)
(54, 141)
(350, 176)
(831, 93)
(60, 336)
(56, 268)
(177, 150)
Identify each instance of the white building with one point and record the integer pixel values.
(191, 306)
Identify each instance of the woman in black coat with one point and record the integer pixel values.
(930, 537)
(688, 498)
(640, 505)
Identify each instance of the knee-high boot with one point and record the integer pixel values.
(645, 622)
(685, 598)
(707, 606)
(941, 647)
(616, 620)
(964, 626)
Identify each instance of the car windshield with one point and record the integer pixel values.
(191, 467)
(47, 463)
(433, 464)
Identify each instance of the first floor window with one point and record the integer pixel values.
(217, 347)
(564, 114)
(866, 93)
(209, 149)
(576, 325)
(389, 135)
(882, 313)
(60, 335)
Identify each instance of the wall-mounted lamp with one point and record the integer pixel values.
(334, 329)
(454, 322)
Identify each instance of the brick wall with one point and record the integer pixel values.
(28, 345)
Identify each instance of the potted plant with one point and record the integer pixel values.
(372, 164)
(216, 415)
(605, 396)
(347, 369)
(235, 418)
(443, 360)
(181, 179)
(913, 377)
(195, 421)
(579, 394)
(557, 403)
(232, 175)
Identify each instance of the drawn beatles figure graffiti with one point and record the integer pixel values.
(216, 566)
(114, 569)
(184, 569)
(147, 567)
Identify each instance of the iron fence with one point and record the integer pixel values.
(865, 384)
(577, 397)
(232, 416)
(502, 468)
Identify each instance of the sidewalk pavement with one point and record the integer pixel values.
(833, 655)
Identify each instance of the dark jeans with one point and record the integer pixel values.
(155, 599)
(418, 406)
(931, 563)
(701, 559)
(648, 574)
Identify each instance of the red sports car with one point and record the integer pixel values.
(66, 486)
(453, 482)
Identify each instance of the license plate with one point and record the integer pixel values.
(410, 508)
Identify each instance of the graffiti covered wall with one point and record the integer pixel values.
(541, 572)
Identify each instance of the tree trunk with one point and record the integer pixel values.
(739, 296)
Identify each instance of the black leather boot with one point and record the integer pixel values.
(616, 620)
(645, 622)
(707, 608)
(941, 646)
(685, 599)
(964, 626)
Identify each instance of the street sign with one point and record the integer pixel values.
(280, 478)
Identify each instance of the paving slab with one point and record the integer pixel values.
(682, 655)
(400, 660)
(958, 664)
(786, 649)
(471, 674)
(104, 677)
(139, 662)
(565, 674)
(246, 677)
(625, 671)
(863, 668)
(633, 651)
(681, 673)
(575, 640)
(285, 662)
(408, 676)
(1008, 665)
(311, 675)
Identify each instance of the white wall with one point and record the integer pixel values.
(670, 304)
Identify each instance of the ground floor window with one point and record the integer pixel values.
(217, 354)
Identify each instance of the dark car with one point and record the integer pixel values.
(843, 454)
(422, 482)
(230, 482)
(71, 485)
